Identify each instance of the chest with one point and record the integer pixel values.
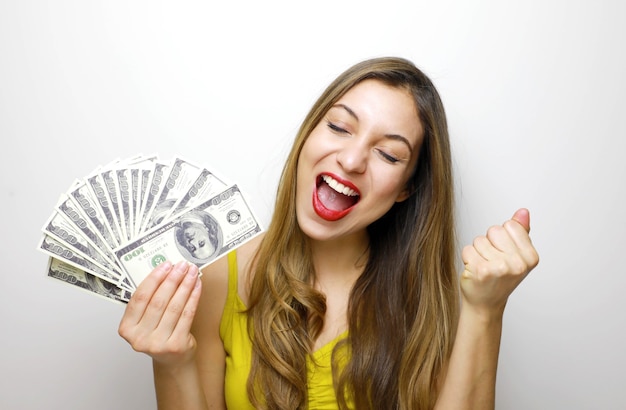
(321, 392)
(335, 320)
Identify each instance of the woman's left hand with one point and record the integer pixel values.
(496, 263)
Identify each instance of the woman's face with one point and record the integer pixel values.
(357, 161)
(197, 241)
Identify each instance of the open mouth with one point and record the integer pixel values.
(333, 199)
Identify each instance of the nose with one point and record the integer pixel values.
(192, 245)
(353, 155)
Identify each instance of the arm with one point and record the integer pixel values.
(162, 320)
(494, 265)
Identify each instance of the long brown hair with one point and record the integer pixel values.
(403, 308)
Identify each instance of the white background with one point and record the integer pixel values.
(534, 92)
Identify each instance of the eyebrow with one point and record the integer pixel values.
(396, 137)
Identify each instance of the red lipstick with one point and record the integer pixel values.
(324, 193)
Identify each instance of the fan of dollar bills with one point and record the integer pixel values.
(111, 228)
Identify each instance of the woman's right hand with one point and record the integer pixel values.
(158, 317)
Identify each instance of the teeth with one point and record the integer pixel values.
(339, 187)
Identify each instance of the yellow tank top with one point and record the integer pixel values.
(234, 334)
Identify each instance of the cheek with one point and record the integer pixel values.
(309, 150)
(319, 144)
(304, 157)
(392, 181)
(391, 188)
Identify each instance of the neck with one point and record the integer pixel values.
(339, 262)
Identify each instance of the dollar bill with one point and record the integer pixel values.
(202, 189)
(180, 176)
(139, 178)
(135, 187)
(58, 250)
(111, 188)
(123, 194)
(145, 175)
(199, 235)
(68, 209)
(157, 178)
(65, 232)
(98, 191)
(83, 197)
(72, 275)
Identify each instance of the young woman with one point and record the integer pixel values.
(351, 298)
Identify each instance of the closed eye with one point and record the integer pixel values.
(336, 128)
(388, 157)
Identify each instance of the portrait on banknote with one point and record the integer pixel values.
(198, 236)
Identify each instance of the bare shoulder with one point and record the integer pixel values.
(248, 249)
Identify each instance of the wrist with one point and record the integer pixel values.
(483, 313)
(174, 367)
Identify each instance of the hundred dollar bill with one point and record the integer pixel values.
(139, 172)
(83, 197)
(181, 174)
(98, 191)
(112, 190)
(135, 186)
(202, 189)
(72, 275)
(126, 184)
(144, 176)
(56, 249)
(199, 236)
(68, 209)
(157, 178)
(65, 232)
(124, 200)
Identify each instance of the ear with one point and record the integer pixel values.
(404, 194)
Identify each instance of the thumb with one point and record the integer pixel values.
(522, 216)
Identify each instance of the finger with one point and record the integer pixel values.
(143, 294)
(522, 241)
(176, 308)
(518, 233)
(183, 326)
(500, 239)
(467, 273)
(485, 248)
(472, 259)
(522, 216)
(161, 298)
